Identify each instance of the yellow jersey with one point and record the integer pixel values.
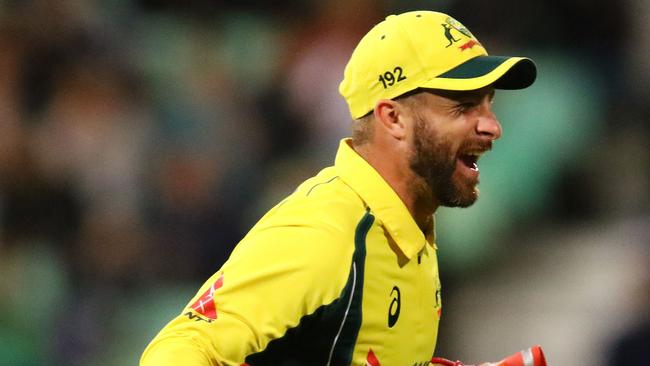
(338, 273)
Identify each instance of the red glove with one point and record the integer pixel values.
(532, 356)
(445, 362)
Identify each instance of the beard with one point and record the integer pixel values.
(434, 161)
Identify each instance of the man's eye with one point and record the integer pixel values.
(463, 107)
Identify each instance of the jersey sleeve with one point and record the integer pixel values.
(275, 276)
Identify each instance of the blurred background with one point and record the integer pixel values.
(140, 139)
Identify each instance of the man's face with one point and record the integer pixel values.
(450, 132)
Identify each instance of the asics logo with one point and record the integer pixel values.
(394, 307)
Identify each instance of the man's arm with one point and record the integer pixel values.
(169, 352)
(194, 338)
(273, 278)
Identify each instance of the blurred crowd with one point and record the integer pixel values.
(140, 139)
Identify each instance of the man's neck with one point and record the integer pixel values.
(410, 188)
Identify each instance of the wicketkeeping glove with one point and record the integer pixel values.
(532, 356)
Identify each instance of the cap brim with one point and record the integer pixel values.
(500, 71)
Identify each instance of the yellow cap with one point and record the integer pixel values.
(424, 49)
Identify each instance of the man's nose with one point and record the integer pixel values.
(488, 125)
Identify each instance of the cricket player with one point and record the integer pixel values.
(344, 270)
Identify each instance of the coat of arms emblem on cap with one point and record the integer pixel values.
(459, 27)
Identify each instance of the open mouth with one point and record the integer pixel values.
(470, 160)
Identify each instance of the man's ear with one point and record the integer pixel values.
(390, 117)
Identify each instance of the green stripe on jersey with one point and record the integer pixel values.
(327, 336)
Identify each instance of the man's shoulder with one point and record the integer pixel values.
(326, 185)
(327, 192)
(323, 201)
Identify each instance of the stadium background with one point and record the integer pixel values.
(140, 139)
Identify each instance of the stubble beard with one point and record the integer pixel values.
(434, 162)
